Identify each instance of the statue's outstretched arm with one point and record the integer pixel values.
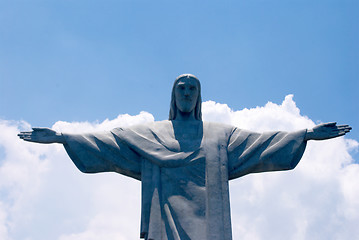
(42, 135)
(327, 131)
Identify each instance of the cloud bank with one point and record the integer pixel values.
(44, 196)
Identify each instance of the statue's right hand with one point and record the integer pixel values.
(42, 135)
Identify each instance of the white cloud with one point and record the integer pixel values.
(272, 116)
(123, 120)
(3, 223)
(43, 195)
(22, 168)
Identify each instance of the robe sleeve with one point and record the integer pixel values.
(250, 152)
(102, 152)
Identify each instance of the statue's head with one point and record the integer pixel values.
(186, 96)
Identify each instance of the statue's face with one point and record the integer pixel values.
(186, 93)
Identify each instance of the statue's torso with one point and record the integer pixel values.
(192, 197)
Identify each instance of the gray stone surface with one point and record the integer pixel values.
(185, 164)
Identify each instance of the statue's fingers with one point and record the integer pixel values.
(28, 135)
(346, 129)
(21, 135)
(25, 132)
(338, 134)
(29, 140)
(341, 133)
(344, 126)
(26, 138)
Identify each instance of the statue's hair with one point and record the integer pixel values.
(198, 107)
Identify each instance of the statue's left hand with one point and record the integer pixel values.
(42, 135)
(327, 131)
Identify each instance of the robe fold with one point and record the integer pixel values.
(184, 168)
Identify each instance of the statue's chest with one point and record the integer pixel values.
(180, 137)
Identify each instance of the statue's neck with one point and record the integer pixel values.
(185, 116)
(189, 134)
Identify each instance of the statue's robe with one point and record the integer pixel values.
(184, 168)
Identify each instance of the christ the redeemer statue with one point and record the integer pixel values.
(184, 164)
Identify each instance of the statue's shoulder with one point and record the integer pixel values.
(144, 126)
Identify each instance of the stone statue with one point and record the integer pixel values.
(184, 164)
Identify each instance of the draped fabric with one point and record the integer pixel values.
(184, 168)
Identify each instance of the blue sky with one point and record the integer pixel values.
(88, 60)
(79, 61)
